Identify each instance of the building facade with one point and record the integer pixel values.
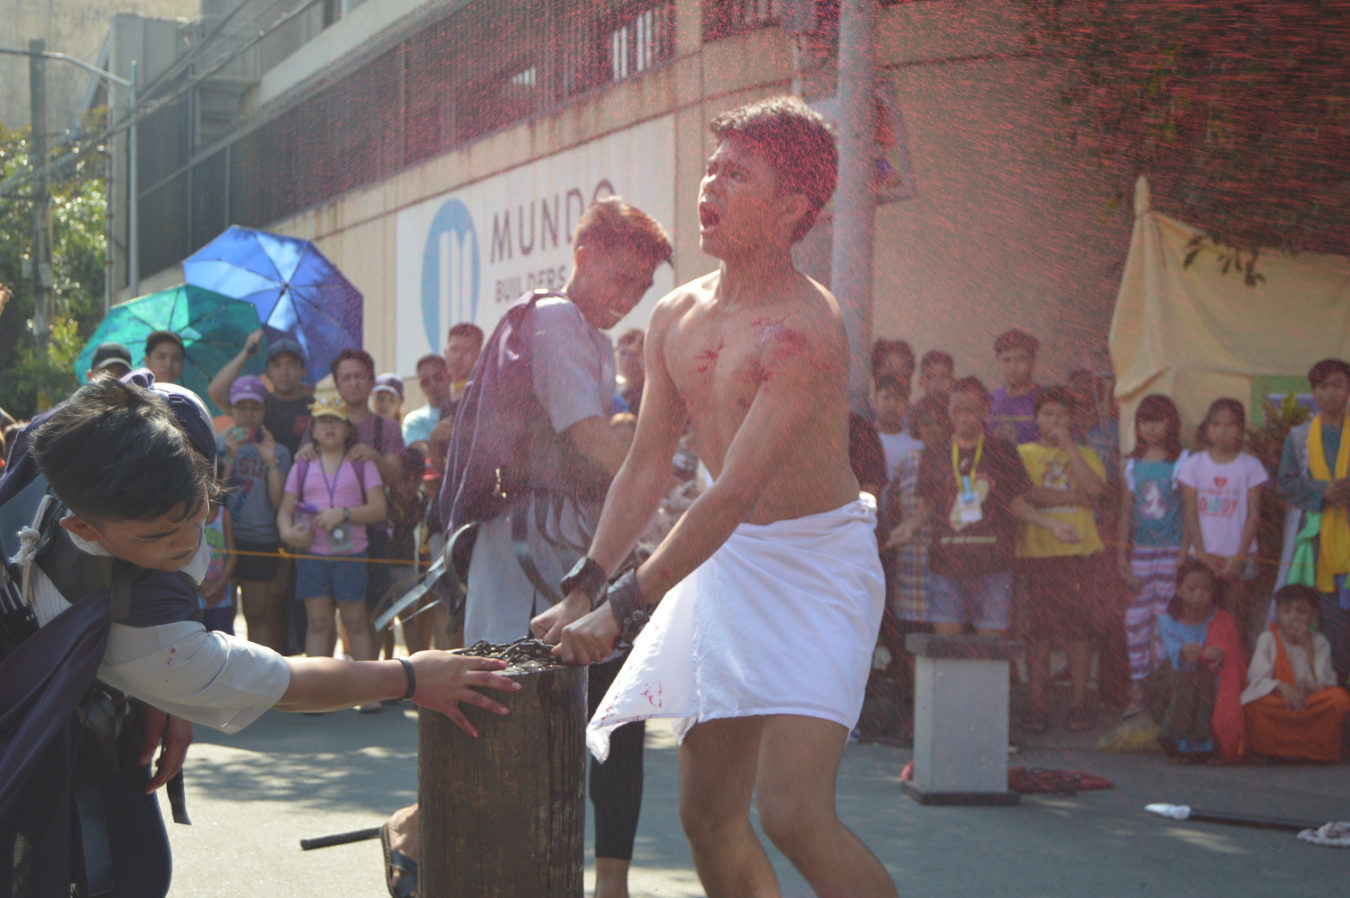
(73, 27)
(439, 152)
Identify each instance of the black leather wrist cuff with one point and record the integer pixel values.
(589, 577)
(412, 678)
(625, 601)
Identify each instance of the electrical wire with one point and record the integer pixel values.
(145, 110)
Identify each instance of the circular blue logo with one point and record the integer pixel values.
(450, 272)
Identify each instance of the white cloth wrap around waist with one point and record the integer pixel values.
(782, 619)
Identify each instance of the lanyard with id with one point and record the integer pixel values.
(340, 537)
(968, 510)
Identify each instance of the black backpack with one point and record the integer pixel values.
(74, 816)
(503, 447)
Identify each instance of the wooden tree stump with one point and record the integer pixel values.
(504, 815)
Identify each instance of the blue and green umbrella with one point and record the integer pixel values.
(213, 328)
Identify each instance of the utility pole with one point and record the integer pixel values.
(851, 257)
(42, 202)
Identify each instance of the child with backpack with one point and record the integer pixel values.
(107, 594)
(325, 504)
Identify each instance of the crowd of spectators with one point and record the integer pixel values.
(1010, 512)
(1006, 511)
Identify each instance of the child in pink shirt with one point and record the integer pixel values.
(325, 505)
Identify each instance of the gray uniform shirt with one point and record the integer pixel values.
(573, 373)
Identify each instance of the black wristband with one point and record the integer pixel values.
(412, 678)
(625, 601)
(589, 577)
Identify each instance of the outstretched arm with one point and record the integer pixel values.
(443, 680)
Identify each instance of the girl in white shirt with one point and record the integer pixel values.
(1221, 492)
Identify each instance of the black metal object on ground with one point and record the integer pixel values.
(356, 835)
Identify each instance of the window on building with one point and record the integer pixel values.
(641, 39)
(618, 42)
(479, 68)
(722, 18)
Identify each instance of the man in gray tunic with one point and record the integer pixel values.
(616, 250)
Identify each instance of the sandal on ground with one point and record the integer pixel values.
(396, 861)
(1080, 720)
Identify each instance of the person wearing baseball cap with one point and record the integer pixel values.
(254, 467)
(386, 398)
(288, 400)
(112, 359)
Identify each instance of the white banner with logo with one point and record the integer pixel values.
(468, 254)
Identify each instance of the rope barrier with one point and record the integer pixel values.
(284, 554)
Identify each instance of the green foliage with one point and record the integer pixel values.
(1267, 442)
(1237, 111)
(45, 379)
(78, 205)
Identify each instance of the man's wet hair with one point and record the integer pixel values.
(796, 142)
(115, 451)
(612, 224)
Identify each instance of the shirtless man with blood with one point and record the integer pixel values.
(770, 588)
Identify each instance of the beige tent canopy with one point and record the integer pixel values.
(1196, 332)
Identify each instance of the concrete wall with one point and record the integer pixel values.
(358, 231)
(75, 27)
(1010, 227)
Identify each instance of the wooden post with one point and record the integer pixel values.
(504, 815)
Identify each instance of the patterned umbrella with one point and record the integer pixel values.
(299, 294)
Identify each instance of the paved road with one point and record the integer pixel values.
(254, 795)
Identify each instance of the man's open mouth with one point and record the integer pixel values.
(708, 217)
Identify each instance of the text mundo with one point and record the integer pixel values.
(541, 224)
